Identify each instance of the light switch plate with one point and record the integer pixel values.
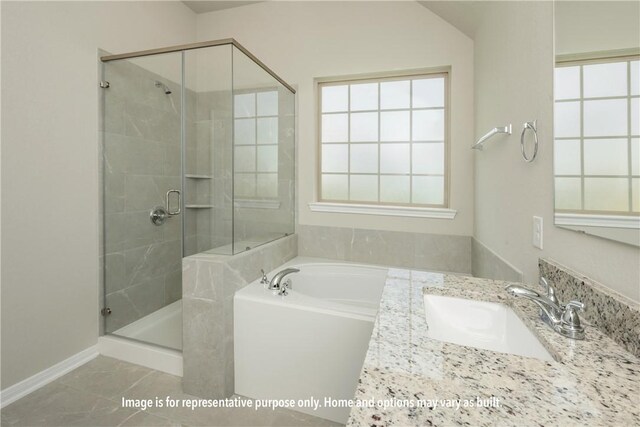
(537, 232)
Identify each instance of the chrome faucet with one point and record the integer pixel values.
(563, 319)
(551, 296)
(276, 281)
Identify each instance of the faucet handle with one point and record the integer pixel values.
(284, 288)
(551, 292)
(570, 325)
(575, 305)
(264, 279)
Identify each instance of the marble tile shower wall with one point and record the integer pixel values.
(142, 159)
(399, 249)
(212, 157)
(197, 162)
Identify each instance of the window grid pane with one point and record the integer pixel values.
(613, 138)
(380, 137)
(255, 154)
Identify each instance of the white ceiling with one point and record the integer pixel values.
(201, 6)
(464, 15)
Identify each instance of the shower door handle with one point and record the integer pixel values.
(169, 211)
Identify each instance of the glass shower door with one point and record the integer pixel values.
(143, 207)
(208, 157)
(263, 155)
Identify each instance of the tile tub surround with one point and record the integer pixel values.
(488, 265)
(401, 249)
(209, 284)
(613, 314)
(593, 382)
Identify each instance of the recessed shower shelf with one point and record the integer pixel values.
(195, 176)
(198, 206)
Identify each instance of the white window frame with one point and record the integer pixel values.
(584, 217)
(441, 211)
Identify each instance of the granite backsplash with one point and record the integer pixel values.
(613, 314)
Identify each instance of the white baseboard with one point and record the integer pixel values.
(42, 378)
(151, 356)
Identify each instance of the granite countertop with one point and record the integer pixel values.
(591, 382)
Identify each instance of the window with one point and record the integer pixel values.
(597, 136)
(255, 158)
(384, 141)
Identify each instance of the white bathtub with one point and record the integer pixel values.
(310, 343)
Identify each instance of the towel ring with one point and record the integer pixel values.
(532, 126)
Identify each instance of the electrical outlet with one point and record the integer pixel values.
(537, 232)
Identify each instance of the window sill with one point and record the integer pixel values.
(405, 211)
(589, 220)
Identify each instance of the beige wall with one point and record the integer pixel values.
(513, 84)
(304, 40)
(50, 166)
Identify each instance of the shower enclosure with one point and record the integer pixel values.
(198, 157)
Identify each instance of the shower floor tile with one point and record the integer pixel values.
(92, 394)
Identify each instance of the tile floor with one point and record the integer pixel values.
(92, 396)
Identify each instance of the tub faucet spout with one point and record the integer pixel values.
(274, 284)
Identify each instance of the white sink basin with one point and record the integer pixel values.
(486, 325)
